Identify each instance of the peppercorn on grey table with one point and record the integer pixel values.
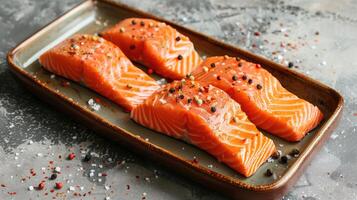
(314, 37)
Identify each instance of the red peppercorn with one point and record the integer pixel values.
(257, 65)
(256, 33)
(150, 71)
(59, 185)
(41, 186)
(71, 156)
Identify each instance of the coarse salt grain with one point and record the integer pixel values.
(30, 188)
(93, 105)
(57, 169)
(107, 187)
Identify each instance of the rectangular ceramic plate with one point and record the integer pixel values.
(111, 121)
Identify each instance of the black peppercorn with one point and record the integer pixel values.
(213, 109)
(218, 78)
(240, 64)
(250, 81)
(244, 77)
(178, 38)
(290, 64)
(259, 87)
(213, 65)
(53, 177)
(142, 23)
(87, 157)
(284, 159)
(172, 90)
(234, 77)
(179, 57)
(268, 173)
(133, 22)
(189, 100)
(181, 96)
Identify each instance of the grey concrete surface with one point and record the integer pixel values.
(318, 36)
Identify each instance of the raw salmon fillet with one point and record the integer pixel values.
(155, 45)
(101, 66)
(208, 118)
(266, 102)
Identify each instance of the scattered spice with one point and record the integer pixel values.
(142, 23)
(250, 81)
(150, 71)
(57, 169)
(219, 78)
(87, 157)
(122, 29)
(71, 156)
(234, 77)
(284, 159)
(41, 186)
(290, 64)
(172, 90)
(244, 77)
(30, 188)
(268, 173)
(256, 33)
(53, 176)
(213, 65)
(213, 109)
(259, 87)
(133, 22)
(191, 77)
(276, 155)
(178, 38)
(181, 96)
(198, 100)
(240, 64)
(179, 57)
(59, 185)
(189, 100)
(295, 153)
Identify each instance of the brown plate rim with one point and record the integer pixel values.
(265, 187)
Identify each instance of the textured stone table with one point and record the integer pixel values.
(318, 36)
